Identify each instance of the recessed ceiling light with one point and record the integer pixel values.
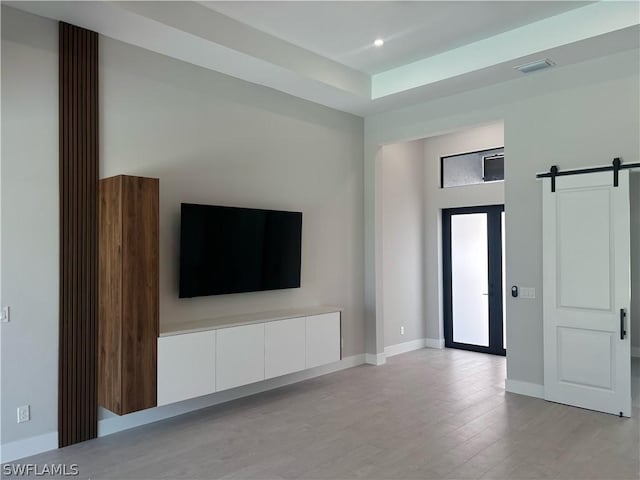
(378, 42)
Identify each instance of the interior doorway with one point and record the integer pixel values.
(415, 181)
(474, 278)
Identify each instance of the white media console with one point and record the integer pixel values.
(209, 356)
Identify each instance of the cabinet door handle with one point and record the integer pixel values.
(623, 332)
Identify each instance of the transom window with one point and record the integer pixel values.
(472, 168)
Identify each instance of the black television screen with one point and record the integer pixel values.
(232, 250)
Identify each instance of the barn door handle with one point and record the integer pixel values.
(623, 332)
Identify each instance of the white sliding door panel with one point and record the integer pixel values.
(239, 356)
(586, 276)
(284, 347)
(186, 366)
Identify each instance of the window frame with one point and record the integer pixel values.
(494, 156)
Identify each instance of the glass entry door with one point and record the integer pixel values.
(473, 265)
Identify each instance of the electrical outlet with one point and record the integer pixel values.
(24, 414)
(4, 315)
(401, 330)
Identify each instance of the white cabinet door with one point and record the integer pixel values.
(284, 347)
(323, 339)
(186, 366)
(239, 356)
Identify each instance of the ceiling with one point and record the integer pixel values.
(345, 31)
(322, 51)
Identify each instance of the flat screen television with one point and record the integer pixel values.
(233, 250)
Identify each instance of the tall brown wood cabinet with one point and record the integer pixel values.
(128, 293)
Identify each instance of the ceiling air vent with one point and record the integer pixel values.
(533, 66)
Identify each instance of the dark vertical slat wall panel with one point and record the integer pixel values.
(92, 79)
(78, 109)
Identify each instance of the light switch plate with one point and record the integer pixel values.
(527, 292)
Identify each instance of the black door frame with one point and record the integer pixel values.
(494, 243)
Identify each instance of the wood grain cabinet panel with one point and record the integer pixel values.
(128, 309)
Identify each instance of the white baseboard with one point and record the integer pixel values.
(434, 343)
(114, 423)
(404, 347)
(524, 388)
(635, 351)
(29, 446)
(375, 359)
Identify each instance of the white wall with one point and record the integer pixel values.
(579, 115)
(402, 241)
(210, 139)
(436, 198)
(215, 140)
(585, 126)
(29, 224)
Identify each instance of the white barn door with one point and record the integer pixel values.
(587, 292)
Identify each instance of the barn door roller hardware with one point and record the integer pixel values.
(615, 167)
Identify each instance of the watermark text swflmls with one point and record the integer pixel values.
(44, 470)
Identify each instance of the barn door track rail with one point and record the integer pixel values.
(615, 167)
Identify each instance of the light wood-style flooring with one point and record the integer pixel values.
(428, 414)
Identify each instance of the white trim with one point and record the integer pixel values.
(434, 343)
(404, 347)
(398, 348)
(635, 351)
(114, 423)
(524, 388)
(375, 359)
(29, 446)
